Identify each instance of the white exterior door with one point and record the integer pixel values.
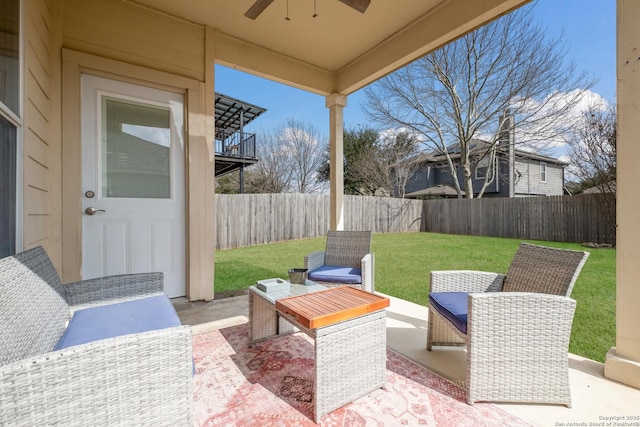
(133, 182)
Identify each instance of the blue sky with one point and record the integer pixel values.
(589, 34)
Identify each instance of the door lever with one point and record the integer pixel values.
(93, 211)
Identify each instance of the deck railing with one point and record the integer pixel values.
(235, 143)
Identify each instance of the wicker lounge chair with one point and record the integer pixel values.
(347, 260)
(516, 327)
(143, 378)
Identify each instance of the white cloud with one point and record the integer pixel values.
(550, 135)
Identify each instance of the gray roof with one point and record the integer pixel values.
(442, 190)
(228, 112)
(609, 187)
(437, 156)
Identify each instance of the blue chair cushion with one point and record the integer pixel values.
(453, 306)
(336, 274)
(113, 320)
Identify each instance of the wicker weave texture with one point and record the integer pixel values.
(517, 347)
(350, 355)
(439, 330)
(141, 379)
(347, 249)
(263, 317)
(517, 342)
(113, 289)
(536, 268)
(137, 379)
(350, 361)
(33, 310)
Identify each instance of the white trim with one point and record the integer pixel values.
(496, 172)
(543, 171)
(10, 115)
(19, 191)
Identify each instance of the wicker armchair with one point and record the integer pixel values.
(347, 260)
(516, 328)
(140, 379)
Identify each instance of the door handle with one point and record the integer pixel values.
(93, 211)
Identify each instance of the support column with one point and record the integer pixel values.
(622, 363)
(335, 103)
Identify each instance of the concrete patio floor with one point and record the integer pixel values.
(595, 398)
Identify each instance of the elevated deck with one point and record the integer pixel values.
(234, 148)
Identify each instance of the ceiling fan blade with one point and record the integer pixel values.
(359, 5)
(258, 7)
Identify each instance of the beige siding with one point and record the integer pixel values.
(136, 35)
(37, 126)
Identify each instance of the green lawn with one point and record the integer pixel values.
(404, 260)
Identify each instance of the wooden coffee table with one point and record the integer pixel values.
(348, 326)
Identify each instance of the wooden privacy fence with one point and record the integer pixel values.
(255, 219)
(581, 218)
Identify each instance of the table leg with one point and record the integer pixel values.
(264, 321)
(351, 358)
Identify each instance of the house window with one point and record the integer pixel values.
(10, 55)
(481, 168)
(10, 84)
(543, 172)
(8, 139)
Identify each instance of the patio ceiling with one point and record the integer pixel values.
(339, 51)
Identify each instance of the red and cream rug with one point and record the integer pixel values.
(271, 384)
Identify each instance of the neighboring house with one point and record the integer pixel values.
(533, 175)
(608, 187)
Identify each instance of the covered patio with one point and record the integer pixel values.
(173, 47)
(594, 396)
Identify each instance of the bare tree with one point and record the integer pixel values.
(288, 160)
(272, 173)
(460, 91)
(593, 155)
(305, 148)
(593, 149)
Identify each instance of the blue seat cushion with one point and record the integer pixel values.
(336, 274)
(453, 306)
(113, 320)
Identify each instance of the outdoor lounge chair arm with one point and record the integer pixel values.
(113, 289)
(139, 379)
(465, 281)
(517, 346)
(314, 260)
(367, 272)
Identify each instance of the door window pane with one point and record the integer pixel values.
(136, 141)
(10, 54)
(8, 139)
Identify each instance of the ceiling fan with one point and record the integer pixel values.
(260, 5)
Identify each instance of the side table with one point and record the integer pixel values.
(349, 329)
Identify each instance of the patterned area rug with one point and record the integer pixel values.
(271, 384)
